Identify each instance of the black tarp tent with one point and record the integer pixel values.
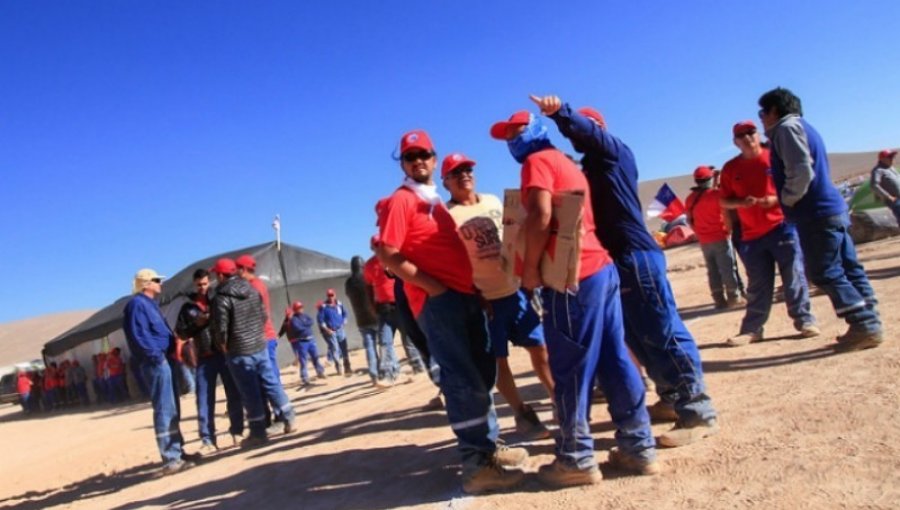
(291, 274)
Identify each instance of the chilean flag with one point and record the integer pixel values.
(665, 205)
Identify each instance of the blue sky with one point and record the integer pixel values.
(154, 134)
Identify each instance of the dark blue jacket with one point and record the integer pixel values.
(301, 327)
(801, 172)
(146, 331)
(333, 316)
(612, 173)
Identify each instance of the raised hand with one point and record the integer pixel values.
(548, 104)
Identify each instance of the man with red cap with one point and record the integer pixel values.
(582, 326)
(479, 220)
(767, 240)
(238, 317)
(149, 339)
(303, 342)
(885, 182)
(653, 328)
(332, 318)
(419, 244)
(704, 214)
(246, 265)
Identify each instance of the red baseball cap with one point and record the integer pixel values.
(703, 173)
(224, 266)
(887, 153)
(330, 292)
(246, 262)
(452, 161)
(416, 139)
(593, 114)
(297, 305)
(520, 118)
(744, 126)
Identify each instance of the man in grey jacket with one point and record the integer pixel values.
(885, 182)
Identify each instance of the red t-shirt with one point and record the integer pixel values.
(551, 170)
(114, 365)
(23, 384)
(260, 286)
(706, 215)
(426, 236)
(374, 275)
(743, 178)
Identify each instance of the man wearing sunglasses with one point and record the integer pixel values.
(479, 218)
(419, 244)
(149, 339)
(767, 240)
(809, 199)
(653, 328)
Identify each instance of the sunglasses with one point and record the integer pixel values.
(761, 112)
(457, 172)
(156, 280)
(412, 157)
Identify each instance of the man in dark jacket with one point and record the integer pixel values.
(654, 331)
(193, 322)
(149, 338)
(383, 368)
(237, 325)
(809, 199)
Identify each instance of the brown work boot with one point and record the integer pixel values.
(809, 331)
(489, 476)
(680, 435)
(858, 340)
(561, 474)
(633, 464)
(529, 425)
(743, 339)
(662, 412)
(735, 301)
(719, 301)
(509, 457)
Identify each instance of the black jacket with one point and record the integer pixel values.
(194, 323)
(238, 318)
(355, 288)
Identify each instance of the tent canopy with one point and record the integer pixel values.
(298, 273)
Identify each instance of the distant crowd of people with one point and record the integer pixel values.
(440, 276)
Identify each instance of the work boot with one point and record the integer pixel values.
(253, 442)
(562, 474)
(207, 448)
(809, 331)
(348, 372)
(735, 301)
(633, 464)
(290, 426)
(509, 457)
(858, 340)
(661, 412)
(529, 425)
(489, 476)
(680, 435)
(337, 367)
(719, 301)
(177, 466)
(743, 339)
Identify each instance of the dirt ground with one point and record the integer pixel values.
(801, 428)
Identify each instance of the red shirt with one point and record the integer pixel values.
(114, 365)
(426, 236)
(743, 178)
(258, 284)
(551, 170)
(374, 275)
(705, 215)
(23, 384)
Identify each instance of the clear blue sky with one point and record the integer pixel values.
(154, 134)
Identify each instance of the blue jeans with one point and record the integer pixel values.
(895, 208)
(659, 339)
(389, 367)
(254, 378)
(272, 347)
(585, 340)
(334, 347)
(516, 321)
(831, 264)
(456, 329)
(208, 370)
(187, 377)
(304, 348)
(778, 247)
(369, 338)
(25, 401)
(165, 410)
(721, 270)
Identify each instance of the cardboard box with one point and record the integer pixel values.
(560, 261)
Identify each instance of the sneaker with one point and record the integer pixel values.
(680, 435)
(254, 441)
(290, 426)
(529, 425)
(661, 412)
(207, 449)
(509, 457)
(743, 339)
(858, 340)
(177, 466)
(561, 474)
(637, 465)
(809, 331)
(490, 476)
